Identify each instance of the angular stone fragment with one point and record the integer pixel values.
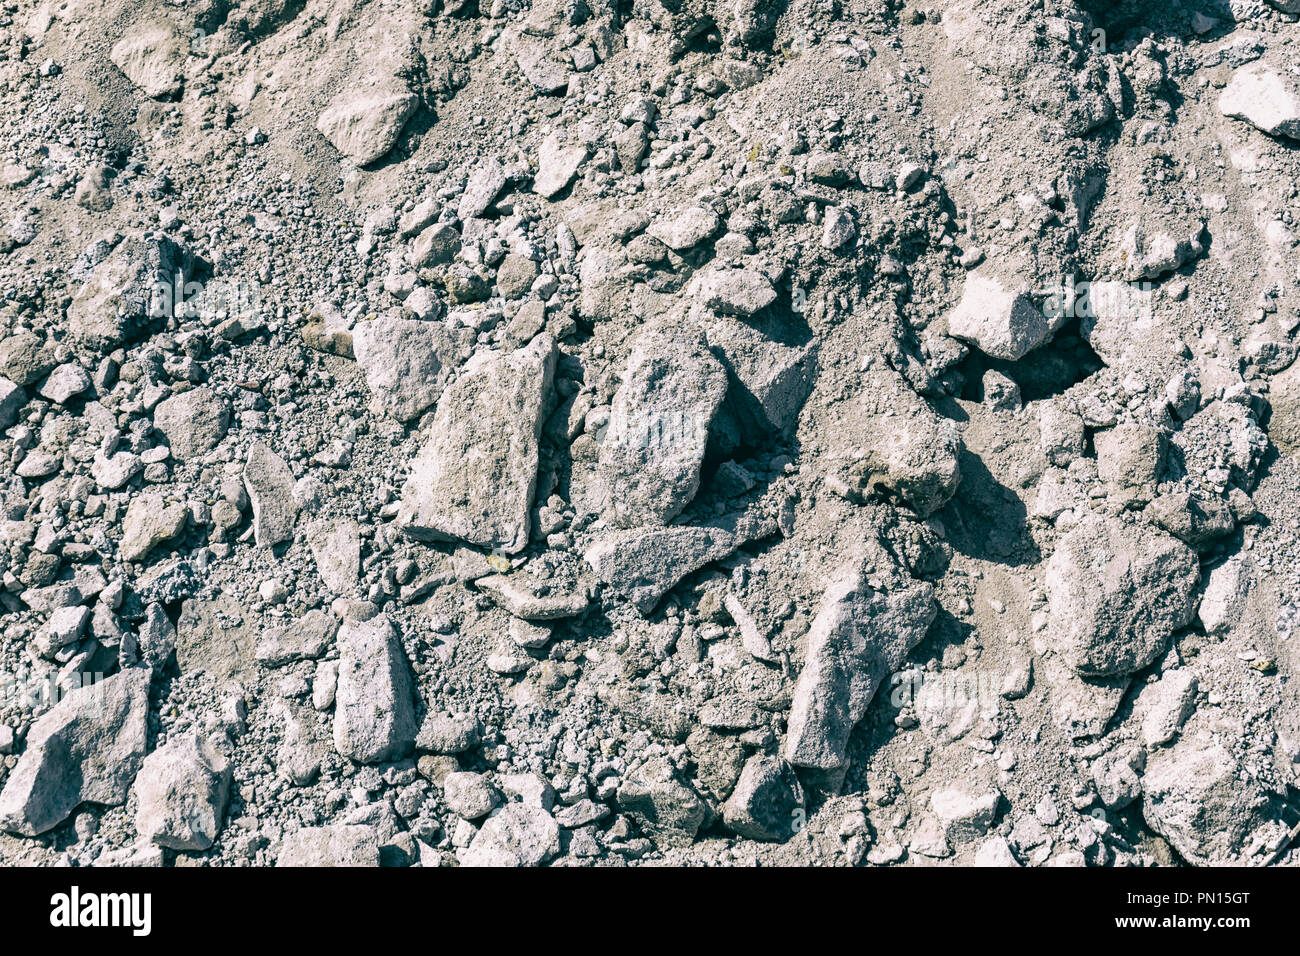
(661, 804)
(193, 421)
(12, 399)
(966, 810)
(686, 229)
(645, 564)
(469, 795)
(336, 546)
(149, 522)
(1267, 99)
(86, 749)
(344, 845)
(65, 383)
(474, 478)
(1129, 455)
(151, 55)
(485, 183)
(517, 835)
(653, 446)
(557, 164)
(270, 491)
(1199, 797)
(1000, 321)
(437, 245)
(304, 639)
(741, 292)
(1167, 704)
(1116, 593)
(1147, 252)
(770, 380)
(181, 794)
(139, 283)
(859, 636)
(407, 363)
(374, 708)
(1226, 591)
(364, 123)
(767, 803)
(532, 599)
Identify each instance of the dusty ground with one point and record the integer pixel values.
(736, 433)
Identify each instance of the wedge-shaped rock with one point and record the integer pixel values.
(741, 292)
(194, 422)
(652, 449)
(533, 599)
(336, 546)
(364, 123)
(517, 835)
(87, 749)
(1116, 594)
(139, 283)
(374, 709)
(557, 164)
(770, 380)
(998, 319)
(860, 635)
(474, 479)
(1267, 99)
(181, 794)
(407, 363)
(767, 801)
(270, 491)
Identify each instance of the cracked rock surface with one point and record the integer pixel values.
(531, 433)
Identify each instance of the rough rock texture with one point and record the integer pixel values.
(181, 793)
(374, 709)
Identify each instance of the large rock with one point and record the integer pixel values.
(12, 399)
(152, 56)
(149, 522)
(139, 283)
(767, 803)
(557, 164)
(336, 546)
(374, 709)
(269, 483)
(181, 794)
(1199, 797)
(1000, 320)
(343, 845)
(407, 363)
(769, 379)
(652, 449)
(517, 835)
(474, 478)
(193, 421)
(662, 805)
(365, 123)
(859, 636)
(1265, 98)
(86, 749)
(1116, 593)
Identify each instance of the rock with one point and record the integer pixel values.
(1129, 455)
(645, 564)
(1267, 99)
(741, 292)
(999, 320)
(1117, 776)
(138, 284)
(769, 380)
(1197, 797)
(344, 845)
(304, 639)
(194, 422)
(374, 709)
(469, 795)
(661, 804)
(1146, 253)
(181, 794)
(685, 229)
(859, 636)
(767, 803)
(534, 600)
(449, 733)
(485, 183)
(407, 363)
(517, 835)
(895, 445)
(66, 625)
(364, 123)
(1116, 593)
(149, 522)
(1167, 704)
(474, 478)
(1195, 519)
(1227, 589)
(65, 383)
(542, 70)
(435, 246)
(652, 449)
(966, 810)
(995, 852)
(516, 275)
(152, 56)
(557, 164)
(839, 228)
(336, 546)
(12, 400)
(114, 473)
(86, 749)
(25, 358)
(270, 484)
(1114, 317)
